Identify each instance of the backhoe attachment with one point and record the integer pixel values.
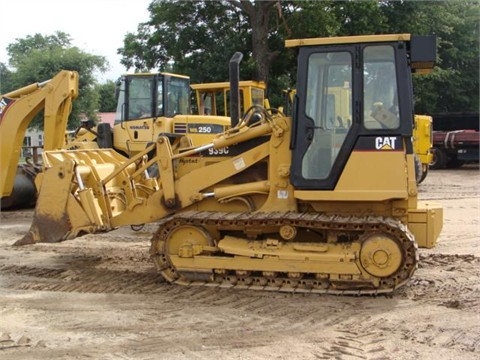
(17, 109)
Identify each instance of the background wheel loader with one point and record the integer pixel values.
(149, 104)
(301, 203)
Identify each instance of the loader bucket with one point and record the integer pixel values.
(50, 220)
(79, 193)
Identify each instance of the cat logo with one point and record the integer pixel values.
(385, 143)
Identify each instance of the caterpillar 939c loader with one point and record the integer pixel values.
(303, 203)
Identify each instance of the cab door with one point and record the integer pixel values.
(136, 109)
(324, 127)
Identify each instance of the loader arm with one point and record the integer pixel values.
(19, 107)
(102, 190)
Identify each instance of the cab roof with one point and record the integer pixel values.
(157, 73)
(226, 85)
(336, 40)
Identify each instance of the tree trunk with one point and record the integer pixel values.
(259, 14)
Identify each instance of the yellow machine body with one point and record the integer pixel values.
(298, 203)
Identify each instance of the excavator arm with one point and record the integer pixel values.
(19, 107)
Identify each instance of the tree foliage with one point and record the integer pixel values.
(454, 84)
(107, 100)
(186, 35)
(40, 57)
(199, 37)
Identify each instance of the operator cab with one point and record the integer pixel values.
(214, 98)
(353, 94)
(143, 96)
(146, 106)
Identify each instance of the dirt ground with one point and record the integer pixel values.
(99, 297)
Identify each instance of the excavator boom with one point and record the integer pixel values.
(17, 110)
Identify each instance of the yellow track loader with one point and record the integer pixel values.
(304, 203)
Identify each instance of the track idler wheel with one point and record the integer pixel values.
(182, 242)
(380, 255)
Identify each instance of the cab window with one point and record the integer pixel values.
(140, 101)
(328, 108)
(380, 88)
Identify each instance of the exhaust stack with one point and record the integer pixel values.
(234, 75)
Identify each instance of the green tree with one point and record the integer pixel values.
(38, 58)
(454, 84)
(265, 19)
(5, 78)
(107, 100)
(197, 38)
(359, 18)
(184, 37)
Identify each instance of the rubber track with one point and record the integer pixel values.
(226, 221)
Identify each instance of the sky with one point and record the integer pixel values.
(97, 27)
